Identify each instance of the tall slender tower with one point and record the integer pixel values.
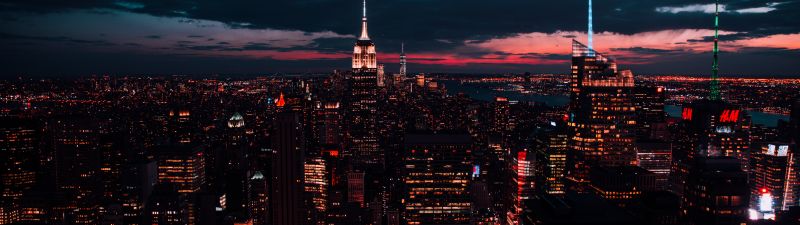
(362, 142)
(590, 32)
(402, 59)
(714, 95)
(287, 176)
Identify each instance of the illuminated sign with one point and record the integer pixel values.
(476, 171)
(765, 207)
(783, 150)
(724, 130)
(765, 201)
(687, 114)
(729, 115)
(777, 150)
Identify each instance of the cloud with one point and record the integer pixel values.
(129, 5)
(706, 8)
(446, 36)
(162, 34)
(632, 48)
(764, 9)
(711, 8)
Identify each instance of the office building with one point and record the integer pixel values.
(286, 197)
(436, 175)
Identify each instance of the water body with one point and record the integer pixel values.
(486, 92)
(760, 118)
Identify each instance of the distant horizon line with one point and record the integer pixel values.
(316, 74)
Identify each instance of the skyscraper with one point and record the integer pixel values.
(436, 176)
(551, 145)
(78, 157)
(716, 191)
(182, 166)
(330, 127)
(363, 141)
(773, 174)
(316, 189)
(19, 153)
(258, 198)
(650, 115)
(287, 180)
(355, 187)
(381, 76)
(235, 165)
(403, 59)
(601, 113)
(710, 127)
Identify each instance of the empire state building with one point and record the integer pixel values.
(362, 143)
(364, 58)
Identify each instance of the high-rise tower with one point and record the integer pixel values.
(436, 176)
(602, 113)
(711, 127)
(402, 59)
(362, 142)
(714, 95)
(287, 178)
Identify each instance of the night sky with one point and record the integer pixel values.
(85, 37)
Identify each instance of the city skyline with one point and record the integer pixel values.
(595, 143)
(140, 38)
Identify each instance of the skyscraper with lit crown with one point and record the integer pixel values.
(710, 127)
(362, 136)
(601, 112)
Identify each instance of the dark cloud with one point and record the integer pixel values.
(546, 56)
(428, 26)
(643, 50)
(61, 39)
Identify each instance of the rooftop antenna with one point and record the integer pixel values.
(714, 94)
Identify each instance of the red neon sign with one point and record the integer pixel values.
(729, 115)
(333, 153)
(687, 114)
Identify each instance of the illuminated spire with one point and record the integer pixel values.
(364, 35)
(590, 32)
(714, 92)
(280, 102)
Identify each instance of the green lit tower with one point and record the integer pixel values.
(714, 95)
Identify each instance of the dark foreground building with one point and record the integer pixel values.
(716, 192)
